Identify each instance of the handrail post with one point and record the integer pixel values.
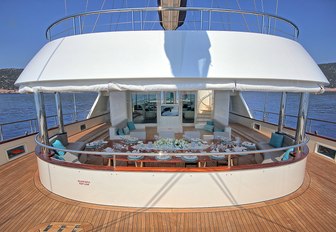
(74, 25)
(201, 19)
(49, 34)
(210, 19)
(229, 161)
(282, 112)
(31, 126)
(80, 24)
(132, 20)
(1, 135)
(309, 125)
(114, 162)
(75, 107)
(141, 18)
(59, 112)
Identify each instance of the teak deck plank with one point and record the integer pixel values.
(23, 206)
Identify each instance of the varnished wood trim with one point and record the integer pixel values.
(299, 157)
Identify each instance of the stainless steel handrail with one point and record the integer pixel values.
(32, 123)
(309, 126)
(114, 154)
(156, 9)
(293, 116)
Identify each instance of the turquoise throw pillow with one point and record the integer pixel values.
(126, 131)
(287, 154)
(209, 128)
(276, 140)
(120, 132)
(211, 123)
(58, 144)
(131, 125)
(58, 157)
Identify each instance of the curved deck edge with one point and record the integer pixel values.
(305, 185)
(173, 189)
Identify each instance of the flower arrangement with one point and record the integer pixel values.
(169, 143)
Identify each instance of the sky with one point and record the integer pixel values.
(23, 22)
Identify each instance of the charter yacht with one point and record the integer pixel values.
(170, 142)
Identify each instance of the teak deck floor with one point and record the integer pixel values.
(24, 204)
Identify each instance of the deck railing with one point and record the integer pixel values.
(30, 126)
(135, 19)
(114, 155)
(314, 125)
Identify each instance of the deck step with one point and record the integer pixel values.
(204, 116)
(203, 119)
(205, 112)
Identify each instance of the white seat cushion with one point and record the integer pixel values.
(72, 158)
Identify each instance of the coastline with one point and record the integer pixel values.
(4, 91)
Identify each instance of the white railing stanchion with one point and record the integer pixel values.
(1, 134)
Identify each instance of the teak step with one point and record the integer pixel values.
(205, 112)
(204, 116)
(203, 120)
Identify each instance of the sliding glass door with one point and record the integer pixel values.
(188, 107)
(144, 107)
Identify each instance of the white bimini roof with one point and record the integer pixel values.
(172, 60)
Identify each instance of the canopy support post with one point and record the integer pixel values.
(42, 120)
(282, 112)
(59, 112)
(302, 118)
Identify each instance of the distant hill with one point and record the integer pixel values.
(8, 76)
(329, 71)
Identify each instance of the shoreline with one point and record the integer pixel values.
(6, 91)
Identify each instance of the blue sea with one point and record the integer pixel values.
(17, 107)
(321, 110)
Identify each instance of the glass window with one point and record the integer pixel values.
(329, 152)
(169, 97)
(144, 107)
(188, 108)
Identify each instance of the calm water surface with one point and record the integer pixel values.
(16, 107)
(322, 107)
